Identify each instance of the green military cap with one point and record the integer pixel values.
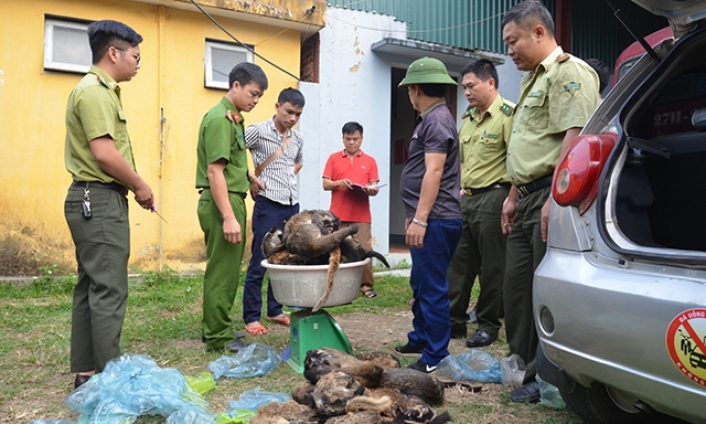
(427, 70)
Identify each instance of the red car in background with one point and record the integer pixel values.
(634, 52)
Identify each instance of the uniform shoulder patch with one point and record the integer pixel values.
(572, 89)
(562, 58)
(102, 81)
(507, 109)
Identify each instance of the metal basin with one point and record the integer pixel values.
(303, 285)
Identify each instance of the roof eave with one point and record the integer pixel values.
(414, 49)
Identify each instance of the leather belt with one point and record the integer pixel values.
(102, 186)
(474, 191)
(239, 193)
(536, 185)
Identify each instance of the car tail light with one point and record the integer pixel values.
(576, 181)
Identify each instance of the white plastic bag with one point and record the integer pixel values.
(513, 370)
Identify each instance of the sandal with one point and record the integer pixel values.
(370, 293)
(280, 319)
(256, 330)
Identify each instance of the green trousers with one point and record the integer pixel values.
(220, 281)
(525, 250)
(100, 296)
(480, 253)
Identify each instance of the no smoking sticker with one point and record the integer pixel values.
(686, 343)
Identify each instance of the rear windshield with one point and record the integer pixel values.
(675, 104)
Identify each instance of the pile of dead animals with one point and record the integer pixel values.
(371, 389)
(313, 237)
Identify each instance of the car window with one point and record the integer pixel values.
(627, 66)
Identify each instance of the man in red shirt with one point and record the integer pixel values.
(352, 176)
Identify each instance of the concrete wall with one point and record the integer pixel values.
(355, 86)
(509, 80)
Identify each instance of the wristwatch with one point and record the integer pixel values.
(420, 223)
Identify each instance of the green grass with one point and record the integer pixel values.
(163, 321)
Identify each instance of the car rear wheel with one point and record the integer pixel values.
(600, 404)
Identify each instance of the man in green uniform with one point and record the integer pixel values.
(98, 155)
(222, 177)
(558, 94)
(484, 134)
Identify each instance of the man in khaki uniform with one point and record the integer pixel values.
(558, 94)
(98, 155)
(484, 134)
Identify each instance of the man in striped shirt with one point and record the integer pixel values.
(276, 139)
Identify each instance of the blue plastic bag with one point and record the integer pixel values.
(474, 365)
(134, 385)
(255, 360)
(250, 400)
(191, 417)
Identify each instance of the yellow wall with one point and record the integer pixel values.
(32, 105)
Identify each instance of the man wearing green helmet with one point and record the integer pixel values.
(429, 190)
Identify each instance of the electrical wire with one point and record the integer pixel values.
(208, 15)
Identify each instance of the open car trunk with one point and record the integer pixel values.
(661, 194)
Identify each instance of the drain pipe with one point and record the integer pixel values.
(162, 120)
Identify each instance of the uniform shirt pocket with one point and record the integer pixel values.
(120, 135)
(489, 147)
(465, 145)
(535, 110)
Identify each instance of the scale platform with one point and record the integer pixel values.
(313, 330)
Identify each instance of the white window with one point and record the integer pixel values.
(66, 46)
(219, 60)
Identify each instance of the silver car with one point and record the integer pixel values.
(620, 297)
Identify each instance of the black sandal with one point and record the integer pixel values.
(370, 293)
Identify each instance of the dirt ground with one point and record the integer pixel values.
(381, 332)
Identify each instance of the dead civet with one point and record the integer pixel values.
(310, 236)
(344, 390)
(313, 237)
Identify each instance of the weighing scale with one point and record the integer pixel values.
(301, 286)
(313, 330)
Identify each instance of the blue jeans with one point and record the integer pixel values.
(267, 214)
(430, 285)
